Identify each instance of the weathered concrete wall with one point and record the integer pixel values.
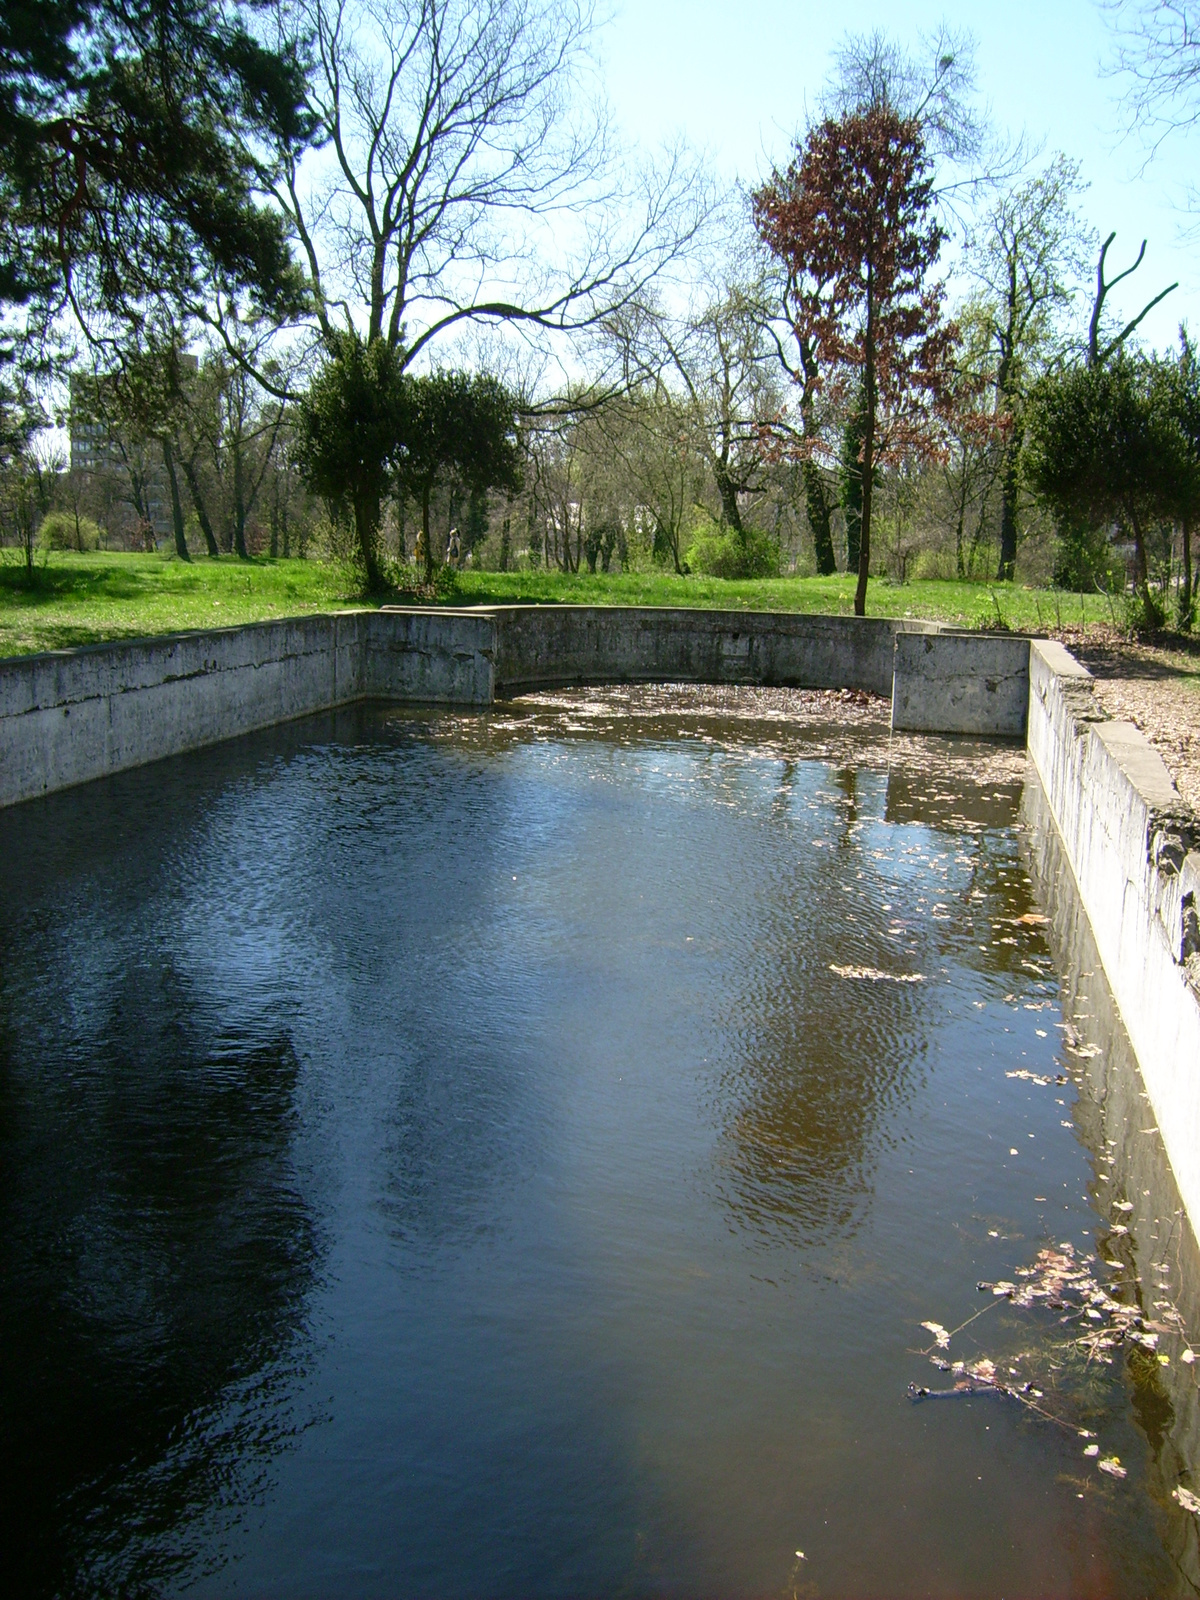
(552, 646)
(1129, 839)
(73, 715)
(418, 654)
(961, 683)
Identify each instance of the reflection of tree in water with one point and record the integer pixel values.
(155, 1255)
(822, 1063)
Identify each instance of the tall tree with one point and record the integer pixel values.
(131, 142)
(468, 181)
(350, 425)
(1104, 446)
(455, 423)
(1027, 255)
(852, 220)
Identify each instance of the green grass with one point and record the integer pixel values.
(79, 599)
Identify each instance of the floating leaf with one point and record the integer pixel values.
(939, 1333)
(1091, 1450)
(1188, 1500)
(1112, 1465)
(874, 975)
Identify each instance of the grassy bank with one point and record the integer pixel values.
(80, 599)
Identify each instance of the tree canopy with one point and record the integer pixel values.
(852, 220)
(131, 138)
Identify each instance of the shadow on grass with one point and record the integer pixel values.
(47, 584)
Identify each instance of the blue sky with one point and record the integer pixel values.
(735, 77)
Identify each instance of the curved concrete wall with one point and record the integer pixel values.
(74, 715)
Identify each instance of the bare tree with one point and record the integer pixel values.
(460, 147)
(1028, 255)
(467, 176)
(1157, 53)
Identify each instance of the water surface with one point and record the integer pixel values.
(495, 1155)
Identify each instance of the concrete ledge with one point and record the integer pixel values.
(74, 715)
(541, 647)
(1129, 838)
(961, 683)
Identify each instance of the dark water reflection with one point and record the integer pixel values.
(437, 1156)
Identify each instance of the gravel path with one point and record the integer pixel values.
(1155, 687)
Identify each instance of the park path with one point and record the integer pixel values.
(1155, 687)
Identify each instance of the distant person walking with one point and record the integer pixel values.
(453, 550)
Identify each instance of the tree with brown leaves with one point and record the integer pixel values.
(852, 220)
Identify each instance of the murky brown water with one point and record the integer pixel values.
(493, 1155)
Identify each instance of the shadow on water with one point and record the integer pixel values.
(156, 1253)
(516, 1153)
(1144, 1235)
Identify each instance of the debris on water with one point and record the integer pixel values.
(874, 975)
(1188, 1500)
(1091, 1450)
(1031, 1077)
(1112, 1465)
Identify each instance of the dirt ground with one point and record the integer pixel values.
(1154, 686)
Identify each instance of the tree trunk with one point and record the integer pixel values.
(1150, 609)
(730, 510)
(168, 455)
(239, 509)
(366, 533)
(1185, 600)
(193, 483)
(868, 457)
(1006, 571)
(816, 505)
(506, 536)
(426, 491)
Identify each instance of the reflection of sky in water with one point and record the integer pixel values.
(442, 1159)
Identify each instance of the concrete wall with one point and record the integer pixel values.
(961, 683)
(1130, 842)
(419, 654)
(74, 715)
(552, 646)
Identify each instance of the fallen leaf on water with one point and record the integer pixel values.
(939, 1333)
(1122, 1205)
(1188, 1357)
(873, 974)
(1091, 1450)
(1112, 1465)
(1032, 919)
(1188, 1500)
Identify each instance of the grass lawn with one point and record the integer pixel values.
(79, 599)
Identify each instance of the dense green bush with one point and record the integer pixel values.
(726, 555)
(62, 530)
